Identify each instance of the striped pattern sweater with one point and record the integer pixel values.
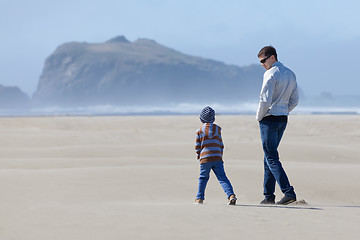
(209, 145)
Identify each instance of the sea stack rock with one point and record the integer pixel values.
(143, 72)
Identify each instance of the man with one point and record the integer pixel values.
(278, 97)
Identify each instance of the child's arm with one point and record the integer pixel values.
(198, 145)
(221, 142)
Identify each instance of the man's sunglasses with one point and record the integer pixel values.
(264, 60)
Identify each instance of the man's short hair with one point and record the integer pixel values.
(268, 51)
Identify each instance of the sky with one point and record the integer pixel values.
(317, 39)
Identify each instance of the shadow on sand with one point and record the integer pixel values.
(303, 207)
(297, 206)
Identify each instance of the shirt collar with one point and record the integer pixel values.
(277, 64)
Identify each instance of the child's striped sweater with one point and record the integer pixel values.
(209, 146)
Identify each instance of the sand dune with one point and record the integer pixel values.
(136, 178)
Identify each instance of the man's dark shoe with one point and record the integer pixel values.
(286, 200)
(267, 201)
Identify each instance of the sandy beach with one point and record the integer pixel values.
(135, 177)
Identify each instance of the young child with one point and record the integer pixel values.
(209, 149)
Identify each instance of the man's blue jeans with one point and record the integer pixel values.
(271, 134)
(218, 168)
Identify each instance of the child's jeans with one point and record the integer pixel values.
(218, 168)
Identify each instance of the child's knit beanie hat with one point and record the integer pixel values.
(207, 115)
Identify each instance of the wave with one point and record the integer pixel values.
(244, 108)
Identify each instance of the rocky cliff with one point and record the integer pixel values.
(13, 98)
(120, 72)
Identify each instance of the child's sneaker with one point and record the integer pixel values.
(232, 200)
(199, 201)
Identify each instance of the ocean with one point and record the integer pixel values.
(242, 108)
